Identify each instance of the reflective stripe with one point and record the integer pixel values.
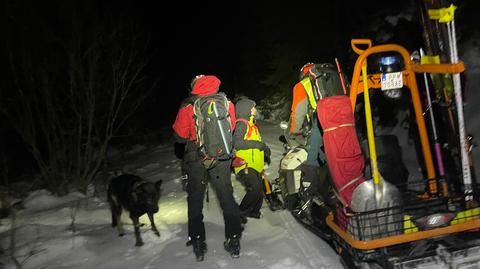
(210, 108)
(308, 88)
(350, 183)
(335, 127)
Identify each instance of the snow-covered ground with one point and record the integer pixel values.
(44, 237)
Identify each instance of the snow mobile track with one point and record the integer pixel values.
(302, 239)
(310, 226)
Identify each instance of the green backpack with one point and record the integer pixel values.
(325, 81)
(213, 127)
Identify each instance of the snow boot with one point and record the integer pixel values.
(199, 247)
(232, 246)
(273, 202)
(255, 215)
(243, 218)
(248, 214)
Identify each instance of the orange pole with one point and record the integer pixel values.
(417, 104)
(438, 68)
(267, 185)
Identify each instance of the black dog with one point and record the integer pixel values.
(138, 197)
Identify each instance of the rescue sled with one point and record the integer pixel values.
(421, 223)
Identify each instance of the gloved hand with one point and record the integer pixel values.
(266, 159)
(267, 152)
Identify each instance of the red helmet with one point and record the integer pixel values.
(194, 79)
(304, 70)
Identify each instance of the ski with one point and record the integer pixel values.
(438, 150)
(447, 16)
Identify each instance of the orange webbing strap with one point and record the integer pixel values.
(249, 128)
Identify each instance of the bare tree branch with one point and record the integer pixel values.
(68, 113)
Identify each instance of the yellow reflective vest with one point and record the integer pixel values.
(307, 84)
(254, 157)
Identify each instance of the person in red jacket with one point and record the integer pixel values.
(218, 176)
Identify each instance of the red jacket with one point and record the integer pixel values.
(184, 125)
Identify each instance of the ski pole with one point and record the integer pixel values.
(438, 150)
(448, 102)
(341, 76)
(433, 49)
(467, 180)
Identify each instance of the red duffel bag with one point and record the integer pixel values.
(342, 149)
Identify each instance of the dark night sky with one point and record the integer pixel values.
(235, 40)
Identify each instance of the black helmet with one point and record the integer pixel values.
(304, 70)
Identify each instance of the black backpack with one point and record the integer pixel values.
(325, 81)
(213, 128)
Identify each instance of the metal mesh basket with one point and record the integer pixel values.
(398, 220)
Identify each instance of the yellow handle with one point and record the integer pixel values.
(370, 134)
(360, 41)
(267, 185)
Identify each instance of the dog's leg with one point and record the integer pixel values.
(116, 210)
(116, 218)
(152, 222)
(112, 204)
(121, 232)
(136, 225)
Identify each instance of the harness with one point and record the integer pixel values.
(307, 85)
(135, 186)
(250, 128)
(253, 157)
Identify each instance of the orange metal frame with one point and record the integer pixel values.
(400, 239)
(410, 81)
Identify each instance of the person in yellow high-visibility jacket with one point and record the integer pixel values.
(249, 146)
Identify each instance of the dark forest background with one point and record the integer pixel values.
(80, 76)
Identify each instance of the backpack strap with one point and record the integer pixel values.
(249, 128)
(242, 120)
(307, 85)
(135, 186)
(188, 101)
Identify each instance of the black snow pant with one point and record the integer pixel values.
(219, 178)
(253, 183)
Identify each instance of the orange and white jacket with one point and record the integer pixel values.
(303, 99)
